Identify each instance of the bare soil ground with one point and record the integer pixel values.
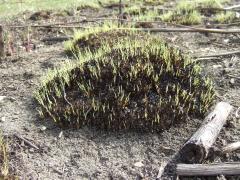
(90, 153)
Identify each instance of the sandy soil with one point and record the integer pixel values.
(93, 154)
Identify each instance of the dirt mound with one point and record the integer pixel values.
(146, 87)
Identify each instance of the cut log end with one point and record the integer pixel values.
(196, 149)
(193, 153)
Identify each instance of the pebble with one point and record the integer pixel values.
(43, 128)
(226, 41)
(60, 134)
(217, 66)
(2, 98)
(232, 81)
(237, 15)
(3, 119)
(138, 164)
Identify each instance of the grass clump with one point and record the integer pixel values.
(134, 10)
(191, 12)
(185, 13)
(225, 17)
(135, 84)
(92, 39)
(211, 3)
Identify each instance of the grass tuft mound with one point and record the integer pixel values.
(92, 39)
(225, 17)
(184, 13)
(135, 84)
(193, 12)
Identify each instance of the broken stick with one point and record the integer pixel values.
(208, 169)
(189, 29)
(196, 149)
(231, 147)
(26, 141)
(221, 54)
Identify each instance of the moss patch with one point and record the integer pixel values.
(135, 84)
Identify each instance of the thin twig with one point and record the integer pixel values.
(45, 26)
(203, 30)
(215, 9)
(229, 24)
(207, 59)
(233, 76)
(26, 141)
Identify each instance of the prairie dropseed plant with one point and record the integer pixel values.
(211, 3)
(184, 13)
(225, 17)
(192, 12)
(92, 39)
(141, 84)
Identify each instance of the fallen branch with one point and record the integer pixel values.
(26, 141)
(46, 26)
(203, 30)
(184, 29)
(208, 169)
(221, 54)
(216, 9)
(207, 59)
(232, 7)
(196, 149)
(231, 147)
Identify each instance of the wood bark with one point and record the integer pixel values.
(196, 149)
(208, 169)
(2, 52)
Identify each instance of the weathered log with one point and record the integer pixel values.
(196, 149)
(208, 169)
(231, 147)
(2, 52)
